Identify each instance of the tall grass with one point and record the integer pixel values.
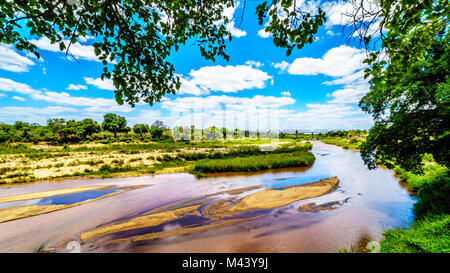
(342, 142)
(430, 231)
(431, 234)
(254, 163)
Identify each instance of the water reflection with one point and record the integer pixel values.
(365, 204)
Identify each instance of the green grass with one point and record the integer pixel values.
(431, 170)
(430, 234)
(430, 231)
(254, 163)
(345, 143)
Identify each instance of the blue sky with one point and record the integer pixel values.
(317, 87)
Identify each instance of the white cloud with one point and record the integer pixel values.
(282, 66)
(254, 63)
(228, 12)
(263, 34)
(223, 78)
(344, 63)
(66, 99)
(18, 98)
(84, 39)
(355, 87)
(31, 55)
(286, 93)
(106, 84)
(10, 114)
(12, 61)
(114, 108)
(338, 61)
(229, 102)
(263, 112)
(76, 87)
(235, 31)
(54, 97)
(85, 52)
(12, 86)
(328, 116)
(341, 12)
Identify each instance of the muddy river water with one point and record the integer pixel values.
(182, 213)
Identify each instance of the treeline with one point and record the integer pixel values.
(59, 131)
(114, 128)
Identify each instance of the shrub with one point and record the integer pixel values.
(434, 197)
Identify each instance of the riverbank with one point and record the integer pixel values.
(429, 232)
(336, 219)
(23, 163)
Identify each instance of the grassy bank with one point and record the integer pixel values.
(21, 163)
(345, 143)
(254, 163)
(430, 231)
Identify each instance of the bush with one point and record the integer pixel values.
(434, 197)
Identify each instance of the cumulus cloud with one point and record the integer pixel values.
(228, 78)
(343, 63)
(12, 61)
(286, 93)
(264, 34)
(338, 61)
(106, 84)
(235, 31)
(281, 66)
(354, 88)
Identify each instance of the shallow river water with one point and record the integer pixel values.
(365, 203)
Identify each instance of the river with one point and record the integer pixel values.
(172, 212)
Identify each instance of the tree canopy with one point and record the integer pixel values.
(407, 43)
(114, 123)
(138, 36)
(409, 78)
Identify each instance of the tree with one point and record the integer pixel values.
(114, 123)
(136, 37)
(141, 129)
(156, 132)
(159, 124)
(409, 94)
(88, 127)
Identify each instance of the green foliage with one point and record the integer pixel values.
(133, 39)
(71, 130)
(114, 123)
(434, 197)
(429, 232)
(428, 235)
(141, 129)
(291, 27)
(342, 142)
(254, 163)
(409, 95)
(156, 132)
